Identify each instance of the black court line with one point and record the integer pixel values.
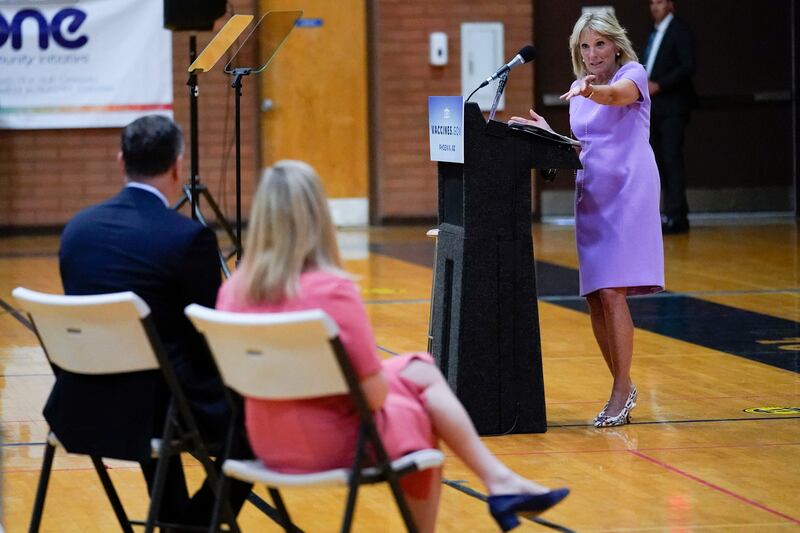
(454, 484)
(18, 444)
(409, 301)
(699, 294)
(23, 255)
(387, 350)
(655, 422)
(754, 336)
(16, 314)
(459, 486)
(690, 421)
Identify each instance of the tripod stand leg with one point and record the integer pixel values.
(182, 202)
(221, 220)
(198, 215)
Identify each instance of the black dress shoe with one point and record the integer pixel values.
(671, 226)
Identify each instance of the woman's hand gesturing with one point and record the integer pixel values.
(537, 120)
(584, 88)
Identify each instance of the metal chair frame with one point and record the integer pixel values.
(180, 429)
(364, 469)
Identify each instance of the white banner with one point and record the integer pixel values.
(83, 64)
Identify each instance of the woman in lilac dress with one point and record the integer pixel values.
(617, 224)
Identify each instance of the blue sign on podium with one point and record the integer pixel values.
(446, 128)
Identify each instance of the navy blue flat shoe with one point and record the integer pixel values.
(505, 508)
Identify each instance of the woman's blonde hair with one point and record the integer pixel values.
(605, 24)
(290, 231)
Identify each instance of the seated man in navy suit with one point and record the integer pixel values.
(135, 242)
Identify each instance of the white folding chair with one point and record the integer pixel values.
(298, 355)
(103, 335)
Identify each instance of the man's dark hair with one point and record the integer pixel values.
(150, 145)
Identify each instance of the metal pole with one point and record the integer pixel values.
(795, 92)
(237, 85)
(192, 83)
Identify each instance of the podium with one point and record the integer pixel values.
(485, 322)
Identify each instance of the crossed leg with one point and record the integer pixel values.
(454, 426)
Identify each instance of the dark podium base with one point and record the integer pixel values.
(486, 337)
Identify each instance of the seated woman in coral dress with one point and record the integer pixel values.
(291, 264)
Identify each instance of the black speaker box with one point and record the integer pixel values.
(192, 15)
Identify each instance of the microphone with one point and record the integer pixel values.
(526, 54)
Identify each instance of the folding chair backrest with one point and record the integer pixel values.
(277, 356)
(97, 334)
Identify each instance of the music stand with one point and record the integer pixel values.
(203, 63)
(272, 30)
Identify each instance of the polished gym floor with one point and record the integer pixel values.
(714, 442)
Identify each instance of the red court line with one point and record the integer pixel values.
(710, 485)
(28, 470)
(663, 448)
(24, 470)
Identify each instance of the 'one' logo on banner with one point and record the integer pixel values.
(62, 28)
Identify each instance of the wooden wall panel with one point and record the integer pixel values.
(317, 84)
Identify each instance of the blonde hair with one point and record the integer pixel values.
(290, 231)
(605, 24)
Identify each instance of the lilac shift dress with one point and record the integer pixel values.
(617, 221)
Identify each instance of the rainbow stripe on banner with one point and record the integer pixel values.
(89, 108)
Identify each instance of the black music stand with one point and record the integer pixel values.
(485, 323)
(271, 30)
(203, 63)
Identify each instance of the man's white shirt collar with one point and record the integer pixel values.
(661, 28)
(149, 188)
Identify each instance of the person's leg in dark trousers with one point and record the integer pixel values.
(175, 499)
(667, 138)
(202, 503)
(177, 507)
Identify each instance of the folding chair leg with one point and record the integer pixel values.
(283, 512)
(270, 511)
(350, 507)
(113, 497)
(161, 471)
(41, 490)
(217, 481)
(402, 505)
(233, 526)
(355, 480)
(221, 495)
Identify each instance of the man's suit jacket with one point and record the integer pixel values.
(673, 69)
(133, 242)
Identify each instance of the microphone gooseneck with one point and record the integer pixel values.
(526, 54)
